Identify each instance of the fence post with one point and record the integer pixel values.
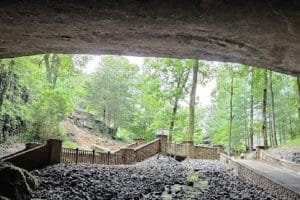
(76, 156)
(93, 159)
(108, 157)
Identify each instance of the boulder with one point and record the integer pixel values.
(15, 183)
(88, 121)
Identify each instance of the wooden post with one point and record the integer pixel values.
(76, 155)
(93, 158)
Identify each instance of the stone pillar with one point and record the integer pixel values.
(258, 151)
(220, 149)
(55, 147)
(163, 143)
(128, 155)
(190, 149)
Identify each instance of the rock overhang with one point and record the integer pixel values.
(257, 33)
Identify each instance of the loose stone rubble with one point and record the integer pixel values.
(7, 149)
(291, 154)
(158, 177)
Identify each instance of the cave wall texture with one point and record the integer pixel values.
(264, 33)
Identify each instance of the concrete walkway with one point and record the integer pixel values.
(287, 178)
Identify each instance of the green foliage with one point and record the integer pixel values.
(218, 114)
(140, 100)
(125, 135)
(110, 90)
(47, 114)
(69, 144)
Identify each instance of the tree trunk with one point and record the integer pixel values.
(290, 119)
(231, 116)
(284, 131)
(298, 98)
(264, 109)
(246, 137)
(251, 108)
(192, 101)
(273, 112)
(172, 123)
(181, 86)
(52, 68)
(280, 133)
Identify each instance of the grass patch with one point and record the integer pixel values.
(69, 144)
(293, 142)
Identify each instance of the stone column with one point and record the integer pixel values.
(190, 149)
(128, 155)
(163, 143)
(55, 147)
(220, 149)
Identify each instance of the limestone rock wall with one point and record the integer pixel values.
(256, 32)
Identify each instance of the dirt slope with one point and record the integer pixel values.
(87, 140)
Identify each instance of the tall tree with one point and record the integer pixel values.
(231, 114)
(264, 108)
(251, 107)
(193, 101)
(180, 86)
(52, 64)
(298, 95)
(274, 137)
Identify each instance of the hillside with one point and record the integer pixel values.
(89, 133)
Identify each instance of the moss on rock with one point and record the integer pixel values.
(16, 183)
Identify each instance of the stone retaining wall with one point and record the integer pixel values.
(263, 155)
(256, 178)
(206, 153)
(147, 150)
(37, 157)
(189, 150)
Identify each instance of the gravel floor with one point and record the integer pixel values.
(291, 154)
(155, 178)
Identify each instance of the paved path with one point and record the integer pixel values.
(283, 176)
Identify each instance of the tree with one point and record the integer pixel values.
(193, 101)
(274, 137)
(231, 114)
(298, 95)
(111, 90)
(264, 109)
(52, 64)
(251, 108)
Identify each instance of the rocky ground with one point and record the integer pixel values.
(6, 149)
(154, 178)
(288, 153)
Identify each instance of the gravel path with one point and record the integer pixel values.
(154, 178)
(291, 153)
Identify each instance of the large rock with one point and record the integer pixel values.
(15, 183)
(88, 121)
(256, 32)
